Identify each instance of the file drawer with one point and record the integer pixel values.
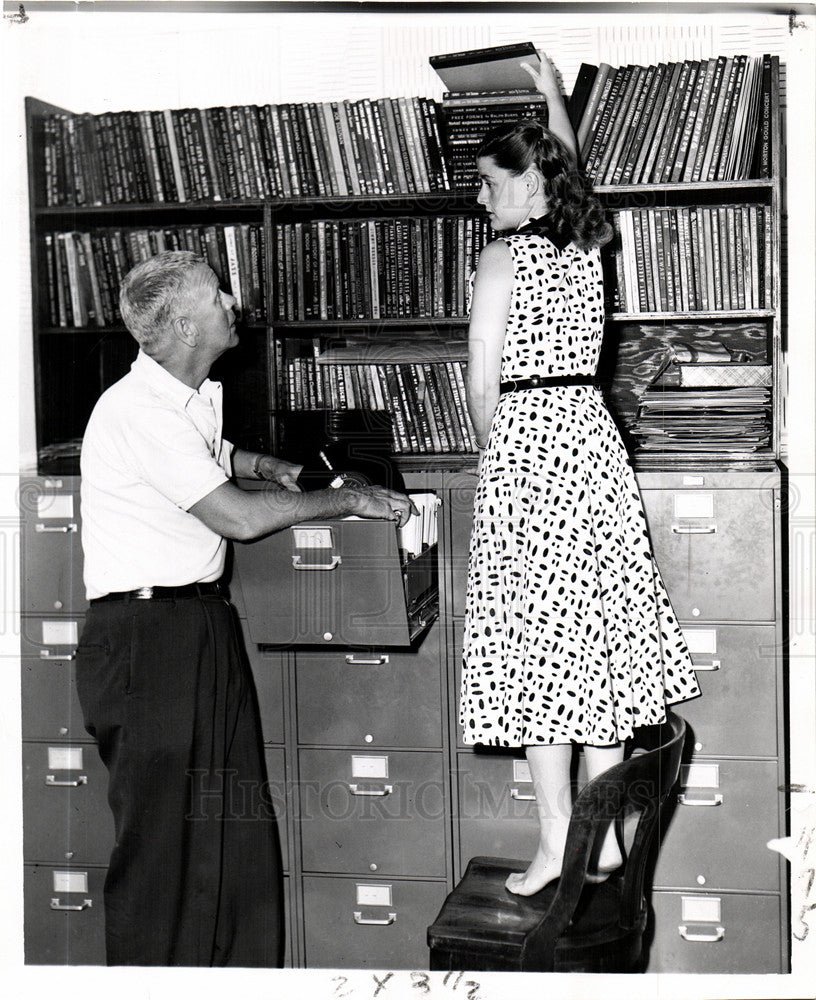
(50, 706)
(276, 774)
(337, 583)
(65, 809)
(736, 714)
(50, 548)
(497, 809)
(728, 802)
(381, 697)
(267, 671)
(715, 550)
(367, 813)
(64, 922)
(738, 933)
(372, 924)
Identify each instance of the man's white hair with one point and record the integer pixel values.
(151, 293)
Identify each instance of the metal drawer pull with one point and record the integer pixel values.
(47, 655)
(63, 529)
(717, 934)
(86, 904)
(703, 529)
(520, 796)
(714, 665)
(52, 782)
(367, 660)
(297, 563)
(715, 800)
(358, 919)
(385, 790)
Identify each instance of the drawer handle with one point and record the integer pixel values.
(715, 800)
(63, 529)
(367, 660)
(694, 529)
(46, 654)
(521, 796)
(717, 934)
(714, 665)
(297, 563)
(53, 782)
(86, 904)
(385, 790)
(373, 922)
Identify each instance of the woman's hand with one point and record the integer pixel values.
(545, 78)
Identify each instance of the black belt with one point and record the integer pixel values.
(213, 589)
(541, 382)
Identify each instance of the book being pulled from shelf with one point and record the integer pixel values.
(419, 382)
(85, 269)
(710, 404)
(495, 68)
(248, 152)
(696, 120)
(696, 259)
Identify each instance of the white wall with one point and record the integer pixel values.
(92, 61)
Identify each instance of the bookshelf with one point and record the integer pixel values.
(711, 568)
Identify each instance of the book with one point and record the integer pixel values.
(581, 91)
(495, 68)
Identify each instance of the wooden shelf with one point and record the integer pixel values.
(690, 317)
(345, 324)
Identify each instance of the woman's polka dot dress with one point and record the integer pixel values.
(569, 632)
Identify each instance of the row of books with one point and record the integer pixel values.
(696, 120)
(712, 420)
(84, 270)
(426, 400)
(337, 148)
(470, 115)
(693, 259)
(390, 268)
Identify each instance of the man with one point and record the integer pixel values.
(194, 877)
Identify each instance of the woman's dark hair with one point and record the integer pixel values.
(574, 211)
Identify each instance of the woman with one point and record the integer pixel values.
(569, 633)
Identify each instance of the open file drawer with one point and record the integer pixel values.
(341, 583)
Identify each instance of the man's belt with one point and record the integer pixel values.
(544, 382)
(189, 590)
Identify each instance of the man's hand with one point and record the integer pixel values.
(282, 474)
(377, 501)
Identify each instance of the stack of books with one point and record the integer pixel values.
(730, 419)
(715, 258)
(486, 88)
(388, 268)
(690, 121)
(421, 384)
(84, 270)
(470, 116)
(334, 148)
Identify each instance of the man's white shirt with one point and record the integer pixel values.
(152, 449)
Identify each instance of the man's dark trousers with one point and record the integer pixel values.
(195, 876)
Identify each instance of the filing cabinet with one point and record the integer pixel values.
(382, 697)
(379, 803)
(65, 813)
(64, 917)
(368, 923)
(50, 546)
(50, 706)
(726, 812)
(717, 932)
(364, 812)
(497, 808)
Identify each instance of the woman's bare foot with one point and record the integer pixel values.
(607, 860)
(544, 868)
